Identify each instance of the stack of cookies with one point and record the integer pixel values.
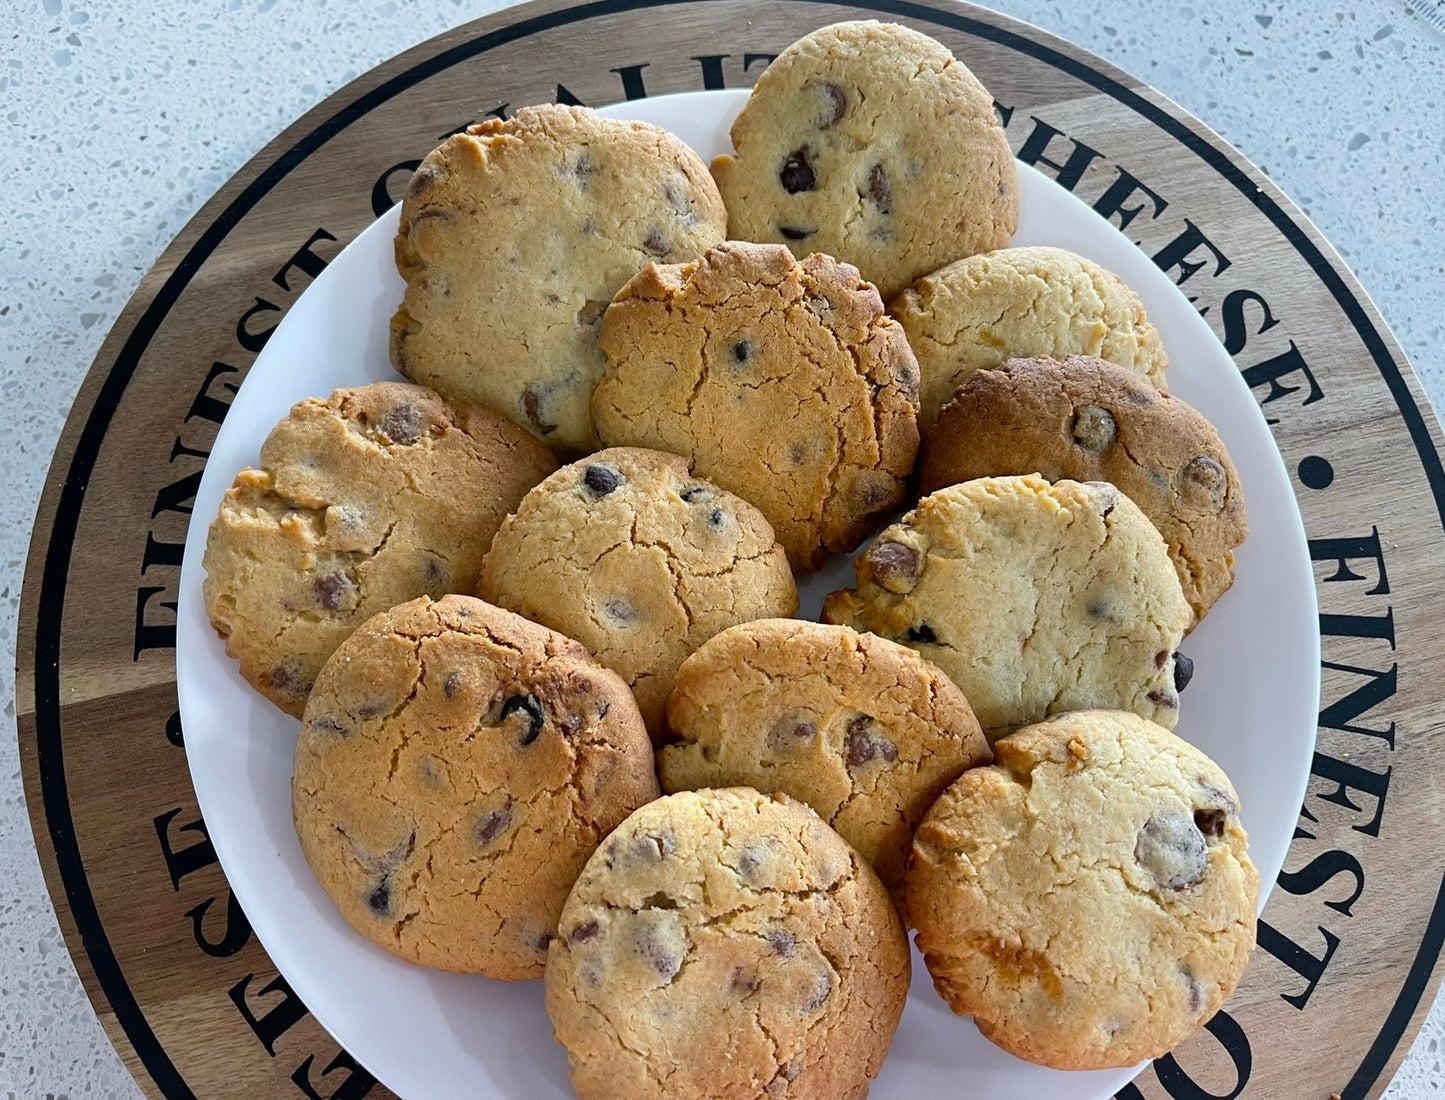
(559, 720)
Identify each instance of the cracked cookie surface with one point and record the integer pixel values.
(871, 142)
(1019, 302)
(1033, 598)
(363, 500)
(639, 561)
(725, 943)
(1089, 897)
(864, 730)
(456, 767)
(1090, 420)
(782, 381)
(513, 238)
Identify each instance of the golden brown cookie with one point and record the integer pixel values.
(515, 235)
(725, 944)
(871, 142)
(1033, 598)
(780, 379)
(862, 729)
(639, 561)
(374, 496)
(456, 767)
(1090, 420)
(1017, 302)
(1088, 898)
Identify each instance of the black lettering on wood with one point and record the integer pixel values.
(161, 553)
(1307, 966)
(278, 1019)
(1119, 192)
(191, 858)
(1272, 370)
(304, 260)
(1377, 687)
(205, 405)
(1351, 777)
(1178, 1084)
(254, 341)
(356, 1084)
(1343, 551)
(1067, 172)
(632, 87)
(750, 59)
(233, 937)
(173, 730)
(1321, 870)
(150, 635)
(177, 496)
(1232, 313)
(712, 71)
(1180, 253)
(382, 199)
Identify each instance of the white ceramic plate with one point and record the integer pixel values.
(1252, 705)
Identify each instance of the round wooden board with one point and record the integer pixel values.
(1350, 940)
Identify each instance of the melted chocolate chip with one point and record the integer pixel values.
(1195, 990)
(619, 610)
(921, 633)
(402, 423)
(532, 398)
(529, 706)
(797, 174)
(331, 589)
(822, 987)
(781, 941)
(287, 677)
(796, 233)
(658, 846)
(1094, 428)
(601, 480)
(716, 520)
(1210, 822)
(655, 244)
(378, 899)
(451, 684)
(1166, 699)
(1183, 671)
(790, 733)
(662, 957)
(835, 103)
(325, 723)
(879, 189)
(744, 981)
(583, 932)
(1203, 475)
(866, 743)
(1171, 848)
(742, 350)
(894, 566)
(493, 823)
(694, 493)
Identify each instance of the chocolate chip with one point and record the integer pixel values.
(1210, 822)
(744, 981)
(655, 244)
(797, 173)
(1183, 671)
(791, 732)
(1094, 428)
(664, 958)
(450, 685)
(582, 169)
(716, 520)
(1167, 699)
(835, 103)
(435, 576)
(694, 493)
(796, 454)
(1171, 848)
(822, 987)
(781, 941)
(1203, 477)
(619, 610)
(287, 676)
(1104, 611)
(601, 480)
(378, 899)
(796, 233)
(879, 189)
(1195, 990)
(583, 932)
(1218, 795)
(656, 847)
(894, 566)
(325, 723)
(866, 743)
(532, 398)
(493, 823)
(529, 706)
(402, 423)
(742, 350)
(922, 632)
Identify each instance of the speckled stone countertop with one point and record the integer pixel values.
(121, 118)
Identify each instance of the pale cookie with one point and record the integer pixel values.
(456, 767)
(1033, 598)
(640, 562)
(374, 496)
(862, 729)
(1090, 420)
(726, 944)
(1088, 898)
(781, 380)
(515, 235)
(1017, 302)
(870, 142)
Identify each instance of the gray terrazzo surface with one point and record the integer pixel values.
(121, 118)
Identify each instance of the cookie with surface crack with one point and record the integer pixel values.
(639, 561)
(1018, 302)
(869, 141)
(456, 767)
(1090, 420)
(862, 729)
(1089, 897)
(724, 943)
(363, 500)
(782, 381)
(1033, 598)
(514, 236)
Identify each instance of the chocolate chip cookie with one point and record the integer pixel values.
(456, 767)
(639, 561)
(872, 143)
(862, 729)
(1090, 420)
(1018, 302)
(515, 235)
(722, 944)
(374, 496)
(782, 381)
(1089, 898)
(1033, 598)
